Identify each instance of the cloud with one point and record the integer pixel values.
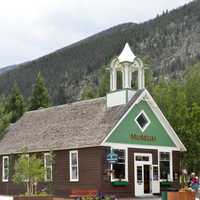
(32, 28)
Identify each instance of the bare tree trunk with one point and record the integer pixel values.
(32, 185)
(27, 188)
(35, 187)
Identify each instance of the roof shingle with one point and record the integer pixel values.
(69, 126)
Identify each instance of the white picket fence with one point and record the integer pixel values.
(6, 197)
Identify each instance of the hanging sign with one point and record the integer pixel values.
(112, 157)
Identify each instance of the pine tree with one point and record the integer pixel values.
(4, 116)
(16, 105)
(40, 96)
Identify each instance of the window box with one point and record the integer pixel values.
(169, 186)
(165, 184)
(120, 183)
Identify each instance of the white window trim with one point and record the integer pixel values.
(170, 164)
(150, 161)
(3, 169)
(147, 118)
(126, 165)
(70, 166)
(45, 166)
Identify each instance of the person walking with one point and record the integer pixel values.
(194, 182)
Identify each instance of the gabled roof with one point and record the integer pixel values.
(77, 125)
(144, 95)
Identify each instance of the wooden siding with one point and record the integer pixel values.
(92, 166)
(123, 191)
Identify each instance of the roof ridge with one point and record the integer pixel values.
(80, 102)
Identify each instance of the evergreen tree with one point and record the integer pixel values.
(104, 82)
(40, 96)
(4, 116)
(193, 84)
(88, 93)
(16, 105)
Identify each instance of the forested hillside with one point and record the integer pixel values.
(168, 43)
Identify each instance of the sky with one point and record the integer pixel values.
(32, 28)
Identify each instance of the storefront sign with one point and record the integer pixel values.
(112, 157)
(142, 137)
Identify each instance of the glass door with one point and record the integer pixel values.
(155, 179)
(139, 180)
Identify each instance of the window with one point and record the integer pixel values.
(74, 171)
(142, 158)
(155, 173)
(5, 169)
(142, 120)
(165, 172)
(48, 166)
(119, 167)
(139, 174)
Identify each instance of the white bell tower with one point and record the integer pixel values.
(126, 63)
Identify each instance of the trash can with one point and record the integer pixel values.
(164, 195)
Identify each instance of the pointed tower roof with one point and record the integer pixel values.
(126, 55)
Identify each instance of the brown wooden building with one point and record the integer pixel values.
(119, 144)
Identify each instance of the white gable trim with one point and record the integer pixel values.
(159, 115)
(137, 101)
(139, 146)
(164, 122)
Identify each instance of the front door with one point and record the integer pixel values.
(143, 174)
(146, 171)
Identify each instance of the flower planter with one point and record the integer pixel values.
(119, 183)
(33, 198)
(181, 195)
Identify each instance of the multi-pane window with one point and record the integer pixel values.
(48, 166)
(119, 168)
(142, 120)
(165, 165)
(74, 171)
(5, 168)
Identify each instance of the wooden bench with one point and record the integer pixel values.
(79, 193)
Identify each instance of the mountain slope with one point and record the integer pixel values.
(169, 43)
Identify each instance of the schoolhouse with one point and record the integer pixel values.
(120, 144)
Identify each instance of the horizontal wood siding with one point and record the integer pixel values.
(92, 166)
(89, 173)
(123, 191)
(176, 165)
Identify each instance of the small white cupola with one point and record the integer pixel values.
(126, 63)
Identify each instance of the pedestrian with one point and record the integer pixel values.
(194, 182)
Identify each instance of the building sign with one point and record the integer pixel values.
(142, 137)
(112, 157)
